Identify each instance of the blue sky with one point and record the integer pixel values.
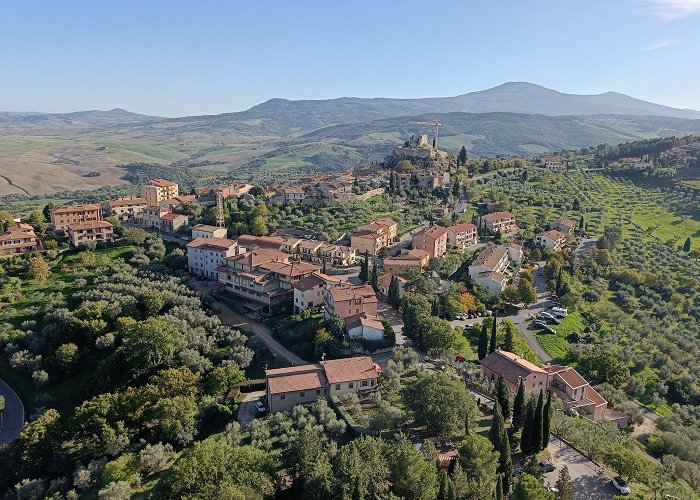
(174, 58)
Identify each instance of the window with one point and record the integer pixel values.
(337, 387)
(372, 382)
(351, 385)
(302, 394)
(318, 391)
(283, 396)
(364, 383)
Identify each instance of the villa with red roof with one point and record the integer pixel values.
(575, 392)
(552, 239)
(287, 387)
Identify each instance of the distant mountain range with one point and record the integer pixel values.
(284, 118)
(281, 137)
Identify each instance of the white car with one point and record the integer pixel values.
(559, 312)
(621, 485)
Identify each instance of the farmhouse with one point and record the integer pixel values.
(19, 238)
(552, 239)
(288, 387)
(564, 225)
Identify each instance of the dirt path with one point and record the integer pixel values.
(9, 181)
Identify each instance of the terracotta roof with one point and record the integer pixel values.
(385, 279)
(492, 275)
(218, 243)
(267, 242)
(257, 257)
(75, 208)
(433, 232)
(349, 292)
(363, 319)
(571, 377)
(462, 228)
(313, 280)
(564, 222)
(510, 365)
(297, 382)
(171, 216)
(17, 235)
(595, 398)
(290, 269)
(161, 183)
(310, 244)
(94, 224)
(386, 222)
(367, 234)
(349, 369)
(126, 202)
(490, 256)
(21, 227)
(552, 234)
(206, 227)
(497, 216)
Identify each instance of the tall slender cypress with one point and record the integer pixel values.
(503, 397)
(519, 406)
(483, 348)
(546, 420)
(374, 277)
(493, 345)
(499, 489)
(526, 435)
(497, 425)
(537, 424)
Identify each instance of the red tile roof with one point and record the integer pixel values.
(349, 369)
(89, 225)
(297, 382)
(498, 216)
(432, 232)
(462, 228)
(171, 216)
(218, 243)
(571, 377)
(69, 209)
(162, 183)
(510, 365)
(552, 234)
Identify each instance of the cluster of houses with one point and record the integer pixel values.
(332, 190)
(19, 238)
(550, 162)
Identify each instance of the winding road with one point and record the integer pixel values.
(12, 417)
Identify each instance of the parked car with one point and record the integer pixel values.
(549, 329)
(547, 466)
(621, 485)
(559, 312)
(488, 312)
(545, 315)
(556, 321)
(539, 324)
(260, 408)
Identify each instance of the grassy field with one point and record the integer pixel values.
(557, 345)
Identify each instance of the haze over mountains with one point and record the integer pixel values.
(280, 137)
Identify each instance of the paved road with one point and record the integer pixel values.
(521, 318)
(230, 317)
(589, 480)
(12, 418)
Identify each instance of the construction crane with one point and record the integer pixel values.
(437, 129)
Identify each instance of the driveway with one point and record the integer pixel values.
(246, 408)
(589, 480)
(12, 417)
(394, 318)
(250, 327)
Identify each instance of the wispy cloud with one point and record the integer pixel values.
(660, 44)
(672, 9)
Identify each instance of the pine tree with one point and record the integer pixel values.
(519, 407)
(526, 435)
(508, 340)
(546, 420)
(564, 486)
(483, 348)
(537, 424)
(492, 345)
(503, 397)
(374, 277)
(686, 245)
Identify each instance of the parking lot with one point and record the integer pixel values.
(590, 481)
(246, 409)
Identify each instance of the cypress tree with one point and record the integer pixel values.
(442, 492)
(503, 397)
(526, 435)
(374, 277)
(466, 423)
(497, 425)
(559, 280)
(499, 489)
(462, 157)
(324, 267)
(435, 306)
(581, 224)
(364, 268)
(392, 184)
(686, 245)
(537, 424)
(508, 340)
(394, 293)
(492, 345)
(483, 348)
(519, 407)
(451, 492)
(546, 420)
(455, 189)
